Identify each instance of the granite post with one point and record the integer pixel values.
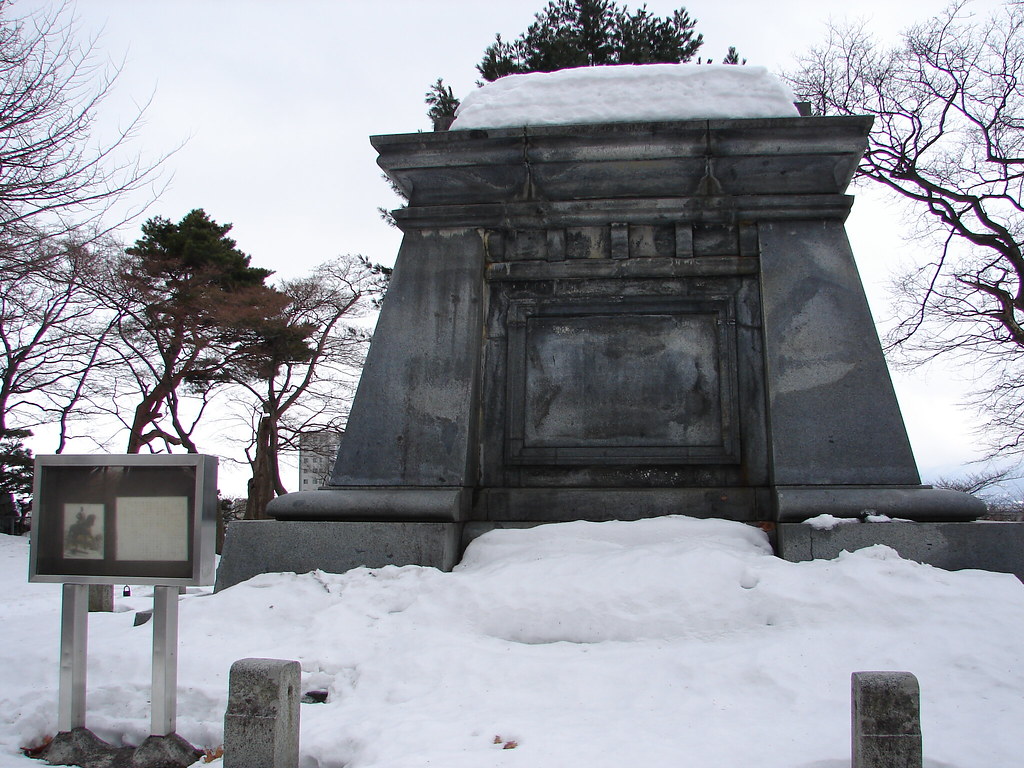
(261, 725)
(886, 720)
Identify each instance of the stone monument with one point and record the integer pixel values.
(613, 321)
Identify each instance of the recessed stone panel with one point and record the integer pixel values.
(634, 382)
(586, 243)
(641, 242)
(715, 241)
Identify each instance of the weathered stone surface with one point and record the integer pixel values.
(616, 320)
(101, 598)
(170, 751)
(375, 504)
(834, 415)
(886, 720)
(597, 504)
(268, 546)
(921, 503)
(82, 747)
(409, 423)
(624, 160)
(261, 725)
(953, 546)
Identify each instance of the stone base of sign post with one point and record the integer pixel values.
(83, 748)
(170, 751)
(79, 746)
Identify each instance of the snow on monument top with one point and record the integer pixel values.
(628, 93)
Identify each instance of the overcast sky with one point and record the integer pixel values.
(272, 104)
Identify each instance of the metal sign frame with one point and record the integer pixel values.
(106, 519)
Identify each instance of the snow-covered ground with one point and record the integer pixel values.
(625, 94)
(666, 642)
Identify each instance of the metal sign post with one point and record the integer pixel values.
(74, 637)
(165, 661)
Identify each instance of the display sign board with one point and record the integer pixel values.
(103, 519)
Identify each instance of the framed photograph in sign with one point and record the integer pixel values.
(102, 519)
(83, 531)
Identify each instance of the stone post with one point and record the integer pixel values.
(101, 598)
(261, 726)
(886, 720)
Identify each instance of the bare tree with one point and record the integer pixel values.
(52, 332)
(57, 172)
(60, 178)
(980, 483)
(948, 137)
(307, 389)
(990, 485)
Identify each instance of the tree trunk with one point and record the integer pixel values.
(146, 413)
(262, 484)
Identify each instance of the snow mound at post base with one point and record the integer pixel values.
(626, 93)
(657, 643)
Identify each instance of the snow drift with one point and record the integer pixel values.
(660, 643)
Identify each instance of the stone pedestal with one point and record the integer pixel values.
(253, 547)
(986, 546)
(620, 321)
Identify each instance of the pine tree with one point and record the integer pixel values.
(732, 57)
(580, 33)
(442, 103)
(15, 468)
(192, 312)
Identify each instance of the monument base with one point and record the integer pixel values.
(988, 546)
(252, 547)
(921, 503)
(374, 504)
(337, 529)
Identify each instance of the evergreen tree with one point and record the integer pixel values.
(580, 33)
(442, 103)
(732, 57)
(191, 313)
(15, 468)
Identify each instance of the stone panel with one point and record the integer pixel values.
(252, 547)
(633, 382)
(587, 243)
(410, 422)
(707, 328)
(834, 415)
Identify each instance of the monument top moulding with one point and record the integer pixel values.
(652, 310)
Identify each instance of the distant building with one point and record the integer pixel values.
(317, 451)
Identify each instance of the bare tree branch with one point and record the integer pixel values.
(948, 136)
(295, 392)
